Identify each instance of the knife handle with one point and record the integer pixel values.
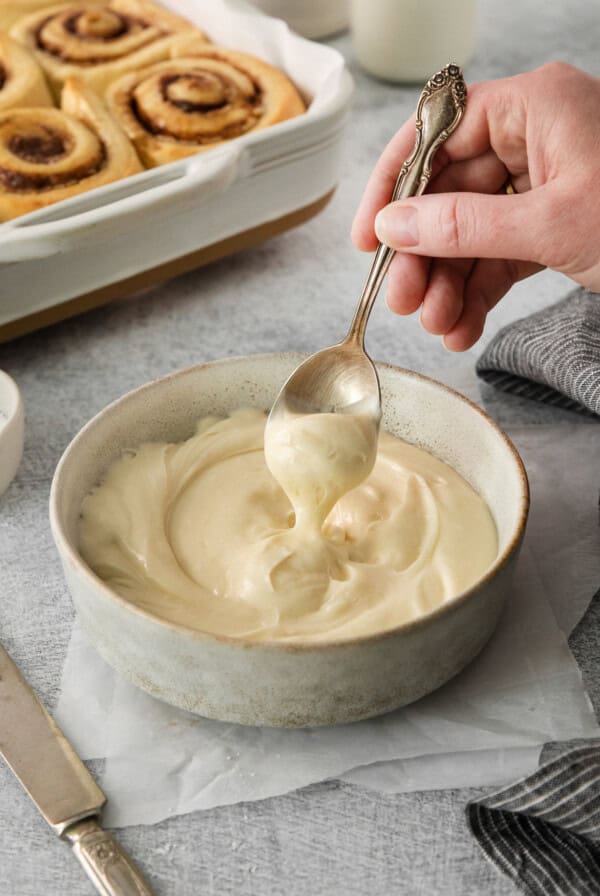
(106, 864)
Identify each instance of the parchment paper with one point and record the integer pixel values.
(485, 726)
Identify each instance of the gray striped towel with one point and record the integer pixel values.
(544, 831)
(551, 356)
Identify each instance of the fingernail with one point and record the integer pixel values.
(453, 351)
(396, 226)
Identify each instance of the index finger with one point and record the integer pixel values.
(378, 191)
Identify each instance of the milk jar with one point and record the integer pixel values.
(408, 40)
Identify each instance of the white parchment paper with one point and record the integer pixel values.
(485, 726)
(443, 771)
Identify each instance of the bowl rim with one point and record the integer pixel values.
(67, 550)
(9, 388)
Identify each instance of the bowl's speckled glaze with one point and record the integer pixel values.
(283, 684)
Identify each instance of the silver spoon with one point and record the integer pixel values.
(342, 379)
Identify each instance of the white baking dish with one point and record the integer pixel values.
(108, 235)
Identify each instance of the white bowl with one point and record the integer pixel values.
(302, 683)
(310, 18)
(12, 430)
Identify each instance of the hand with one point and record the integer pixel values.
(461, 247)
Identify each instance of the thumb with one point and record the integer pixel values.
(473, 225)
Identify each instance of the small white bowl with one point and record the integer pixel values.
(12, 430)
(310, 18)
(306, 683)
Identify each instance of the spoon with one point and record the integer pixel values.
(342, 379)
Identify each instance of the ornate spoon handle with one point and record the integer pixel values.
(106, 863)
(439, 111)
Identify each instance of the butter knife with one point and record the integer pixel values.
(60, 785)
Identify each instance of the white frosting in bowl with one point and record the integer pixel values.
(318, 458)
(201, 534)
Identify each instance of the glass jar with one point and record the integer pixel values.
(409, 40)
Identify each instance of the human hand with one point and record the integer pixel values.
(462, 246)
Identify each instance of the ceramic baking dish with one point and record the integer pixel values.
(144, 229)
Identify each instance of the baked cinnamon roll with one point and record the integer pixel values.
(98, 41)
(49, 154)
(22, 81)
(12, 10)
(190, 104)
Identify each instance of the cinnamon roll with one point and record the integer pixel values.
(49, 154)
(22, 81)
(190, 104)
(12, 10)
(99, 41)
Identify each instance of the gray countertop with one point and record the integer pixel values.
(295, 292)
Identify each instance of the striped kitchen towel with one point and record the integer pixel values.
(544, 831)
(551, 356)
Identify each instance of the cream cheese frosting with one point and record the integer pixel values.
(201, 534)
(317, 458)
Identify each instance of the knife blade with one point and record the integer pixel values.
(60, 785)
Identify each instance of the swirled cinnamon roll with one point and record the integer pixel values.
(99, 41)
(12, 10)
(190, 104)
(22, 81)
(49, 154)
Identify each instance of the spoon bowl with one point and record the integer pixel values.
(338, 380)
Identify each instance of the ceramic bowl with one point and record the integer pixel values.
(12, 425)
(300, 684)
